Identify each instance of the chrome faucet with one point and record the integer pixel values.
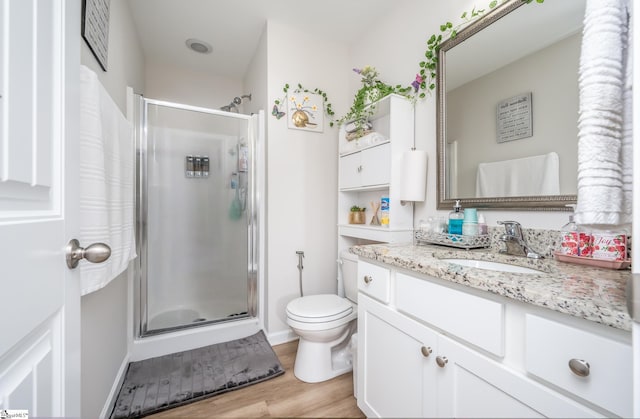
(514, 241)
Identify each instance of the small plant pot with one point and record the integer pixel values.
(356, 217)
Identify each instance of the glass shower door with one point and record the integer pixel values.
(196, 212)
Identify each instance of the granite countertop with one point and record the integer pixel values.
(593, 294)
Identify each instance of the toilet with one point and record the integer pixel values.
(325, 323)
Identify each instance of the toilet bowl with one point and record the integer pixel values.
(324, 323)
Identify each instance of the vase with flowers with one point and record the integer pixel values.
(363, 106)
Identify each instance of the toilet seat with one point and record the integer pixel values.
(321, 308)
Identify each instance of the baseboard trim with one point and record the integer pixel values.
(284, 336)
(113, 394)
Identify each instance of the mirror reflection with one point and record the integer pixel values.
(508, 108)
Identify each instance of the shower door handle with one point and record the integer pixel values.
(95, 253)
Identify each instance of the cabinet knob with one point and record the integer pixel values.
(359, 169)
(579, 367)
(368, 279)
(426, 351)
(441, 361)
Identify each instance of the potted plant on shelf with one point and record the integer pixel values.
(356, 215)
(363, 107)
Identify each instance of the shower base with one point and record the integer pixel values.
(186, 317)
(193, 337)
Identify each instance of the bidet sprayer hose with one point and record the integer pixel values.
(300, 254)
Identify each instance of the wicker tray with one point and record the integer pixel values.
(453, 240)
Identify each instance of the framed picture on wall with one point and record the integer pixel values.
(306, 111)
(95, 28)
(513, 118)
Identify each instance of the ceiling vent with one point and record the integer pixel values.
(198, 46)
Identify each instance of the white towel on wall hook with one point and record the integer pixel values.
(106, 182)
(605, 132)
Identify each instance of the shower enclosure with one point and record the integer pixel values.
(196, 217)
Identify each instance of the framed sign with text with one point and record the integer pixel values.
(513, 118)
(95, 28)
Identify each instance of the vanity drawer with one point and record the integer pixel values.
(551, 346)
(373, 280)
(475, 319)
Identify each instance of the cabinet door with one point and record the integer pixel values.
(395, 373)
(472, 385)
(376, 165)
(349, 171)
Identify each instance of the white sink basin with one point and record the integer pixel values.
(493, 266)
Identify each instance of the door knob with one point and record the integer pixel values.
(96, 253)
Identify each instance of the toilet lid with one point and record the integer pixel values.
(319, 308)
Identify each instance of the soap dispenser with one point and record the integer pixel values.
(482, 225)
(455, 219)
(569, 237)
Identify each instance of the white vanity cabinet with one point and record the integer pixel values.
(431, 350)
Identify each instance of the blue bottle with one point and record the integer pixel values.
(455, 219)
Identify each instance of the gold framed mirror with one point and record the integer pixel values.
(514, 66)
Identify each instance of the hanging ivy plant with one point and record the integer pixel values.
(426, 76)
(363, 106)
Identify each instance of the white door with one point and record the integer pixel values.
(40, 297)
(396, 369)
(349, 171)
(376, 165)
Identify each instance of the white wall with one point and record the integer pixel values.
(302, 172)
(395, 48)
(125, 63)
(166, 81)
(104, 322)
(255, 81)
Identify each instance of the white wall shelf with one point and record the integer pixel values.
(375, 233)
(382, 187)
(368, 174)
(346, 153)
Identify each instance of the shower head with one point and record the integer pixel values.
(233, 106)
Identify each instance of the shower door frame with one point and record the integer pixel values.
(141, 118)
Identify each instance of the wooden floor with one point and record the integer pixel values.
(283, 396)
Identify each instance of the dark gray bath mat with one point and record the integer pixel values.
(161, 383)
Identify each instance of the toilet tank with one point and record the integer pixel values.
(350, 275)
